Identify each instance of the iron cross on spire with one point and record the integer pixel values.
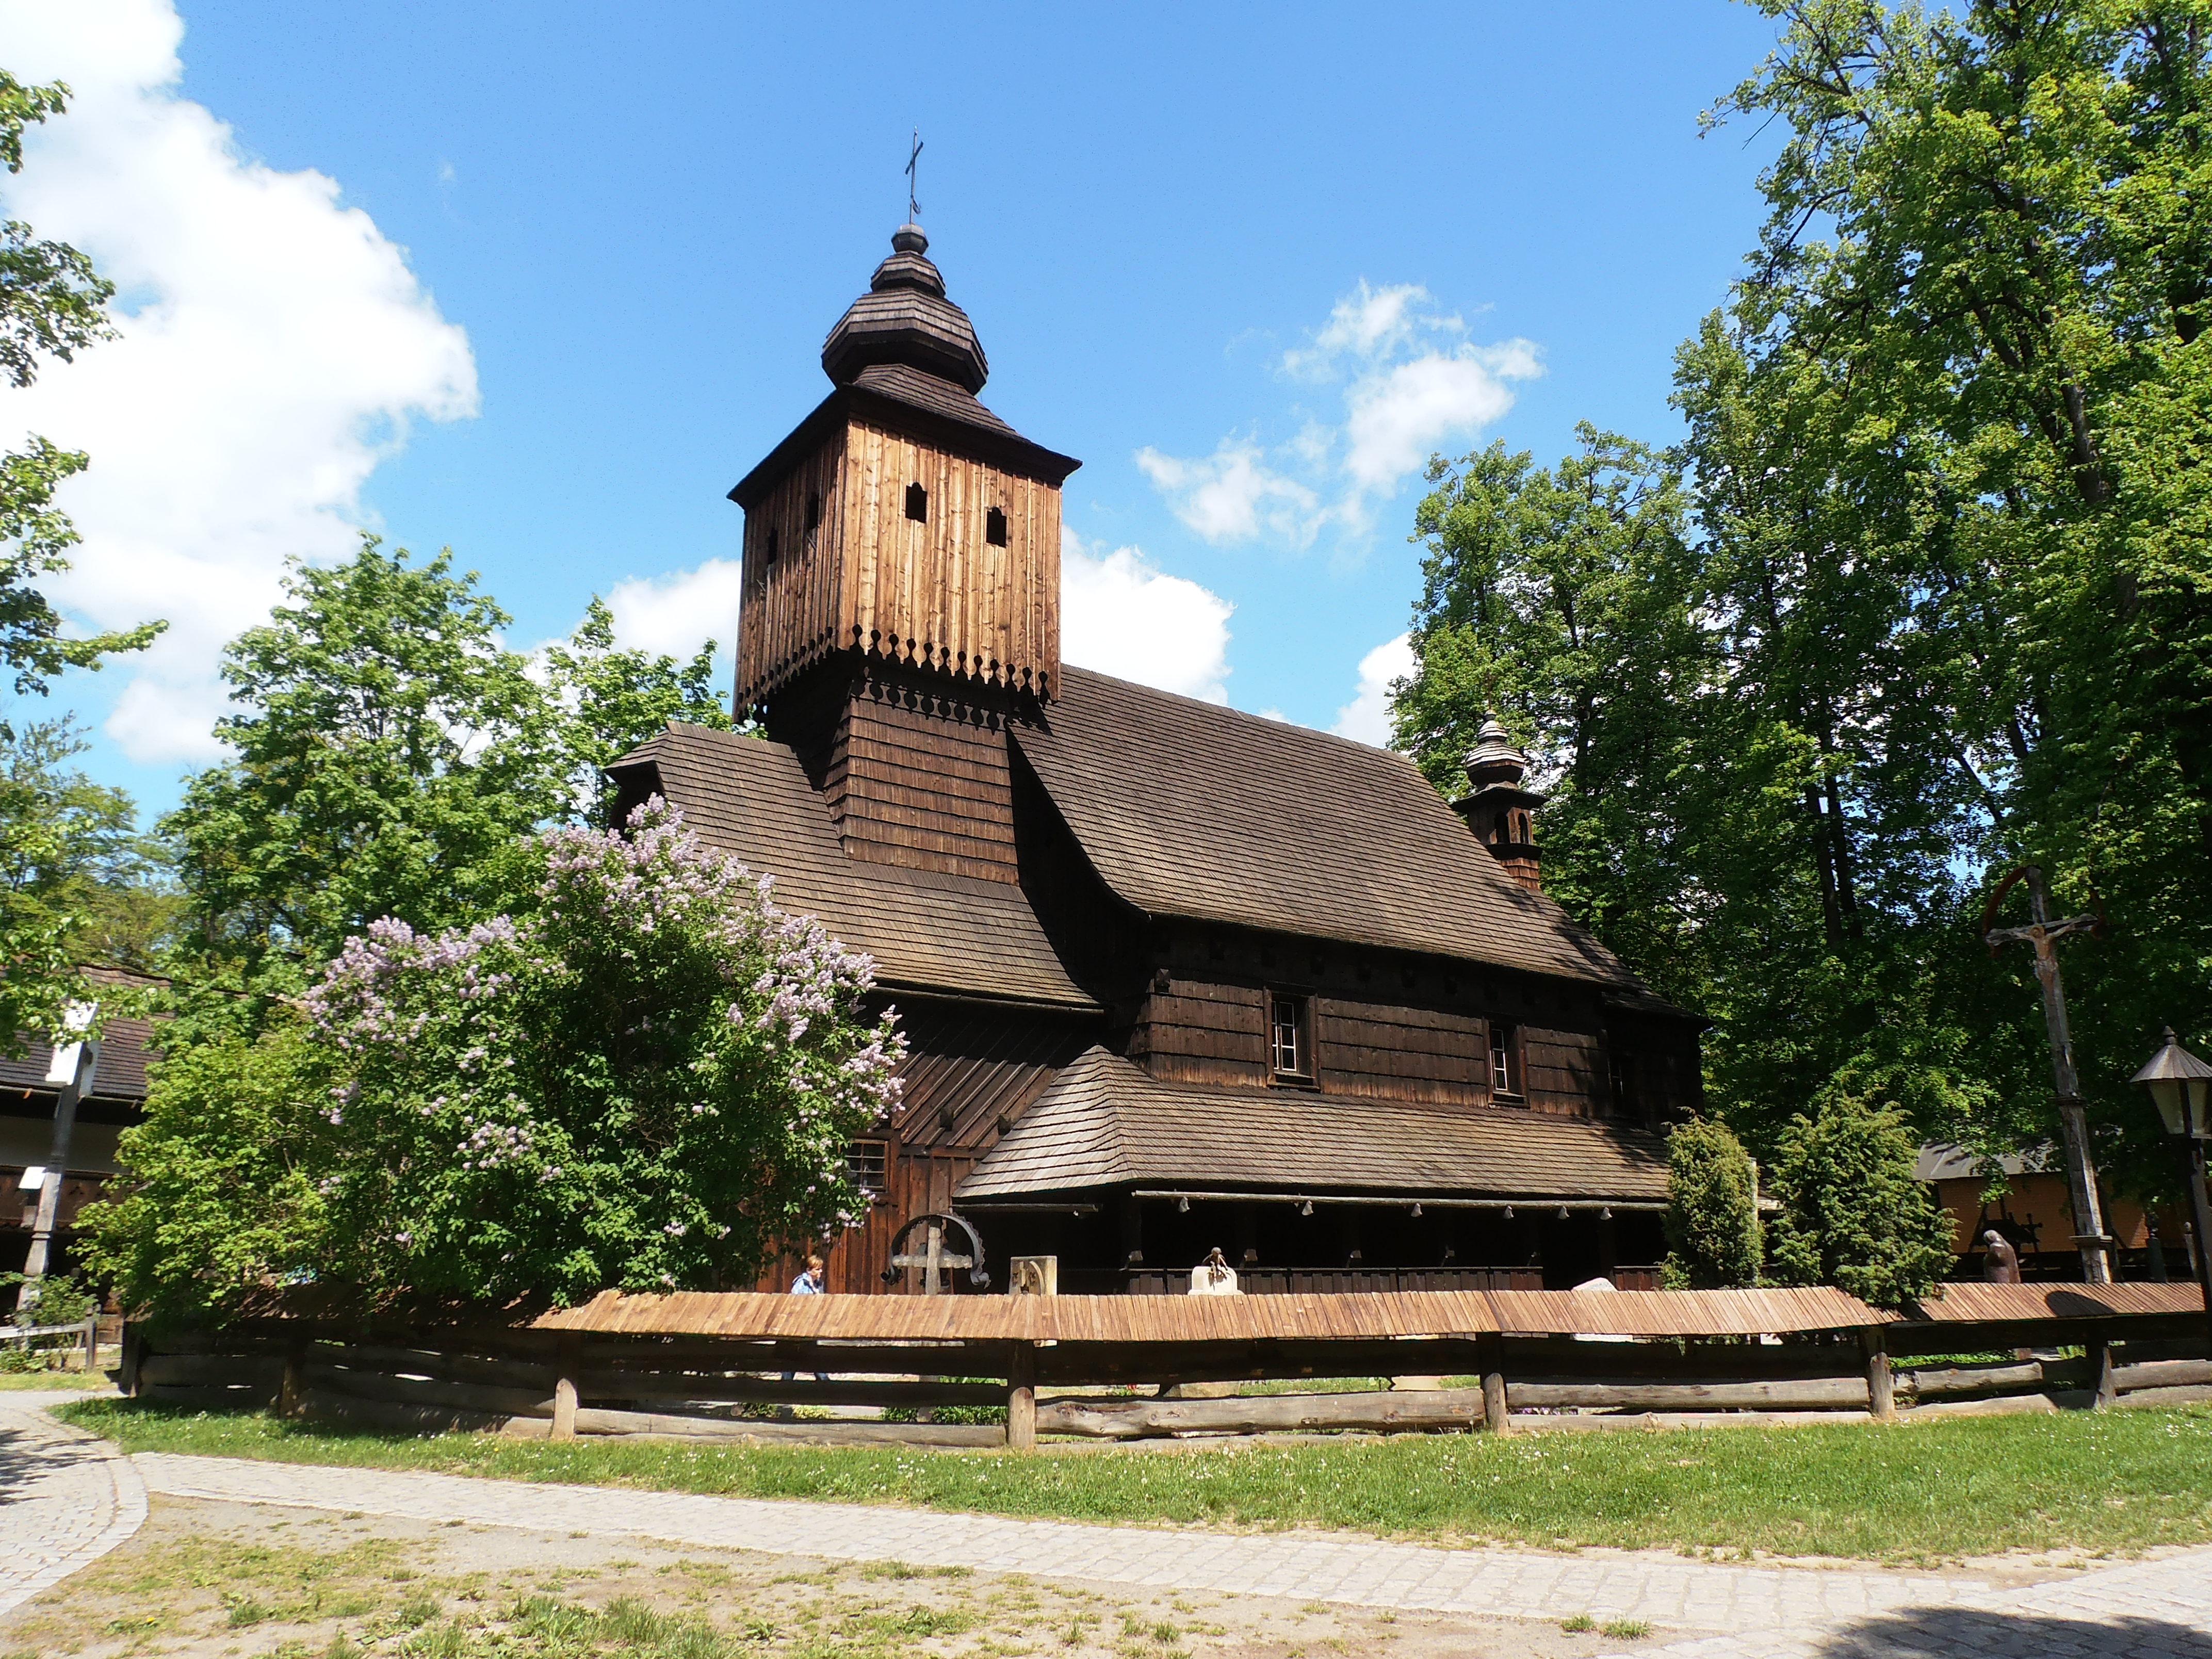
(2044, 935)
(913, 179)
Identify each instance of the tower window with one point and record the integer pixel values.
(995, 526)
(1624, 1081)
(1504, 1059)
(917, 503)
(1291, 1037)
(813, 510)
(770, 556)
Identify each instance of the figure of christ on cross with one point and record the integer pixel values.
(2043, 934)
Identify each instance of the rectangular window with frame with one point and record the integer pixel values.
(1290, 1035)
(1623, 1079)
(1504, 1059)
(866, 1161)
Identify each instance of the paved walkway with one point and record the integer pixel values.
(66, 1499)
(1725, 1611)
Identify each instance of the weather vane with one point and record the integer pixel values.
(913, 181)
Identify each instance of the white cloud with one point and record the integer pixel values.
(275, 347)
(1412, 382)
(1397, 417)
(1121, 614)
(675, 615)
(1366, 717)
(1229, 496)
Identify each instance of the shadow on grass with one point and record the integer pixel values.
(1946, 1632)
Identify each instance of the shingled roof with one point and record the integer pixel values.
(1188, 809)
(1107, 1122)
(926, 930)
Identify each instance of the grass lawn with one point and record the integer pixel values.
(2115, 1481)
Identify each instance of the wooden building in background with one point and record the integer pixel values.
(1175, 978)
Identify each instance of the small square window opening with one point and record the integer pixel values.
(864, 1162)
(772, 549)
(1504, 1061)
(917, 503)
(813, 510)
(1291, 1040)
(995, 526)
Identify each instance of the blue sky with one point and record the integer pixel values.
(1243, 261)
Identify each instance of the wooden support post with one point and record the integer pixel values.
(1496, 1414)
(1881, 1383)
(564, 1389)
(2101, 1376)
(292, 1388)
(91, 1343)
(1021, 1399)
(134, 1351)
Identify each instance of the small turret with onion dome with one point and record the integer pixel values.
(905, 318)
(1497, 809)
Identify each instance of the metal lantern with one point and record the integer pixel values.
(2181, 1085)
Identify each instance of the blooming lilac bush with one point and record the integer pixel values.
(646, 1078)
(644, 1075)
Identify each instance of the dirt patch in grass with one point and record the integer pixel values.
(209, 1580)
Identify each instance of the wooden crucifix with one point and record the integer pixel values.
(913, 179)
(2043, 934)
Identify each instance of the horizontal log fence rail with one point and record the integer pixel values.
(744, 1365)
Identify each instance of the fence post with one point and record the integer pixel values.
(134, 1350)
(564, 1389)
(2100, 1376)
(1882, 1383)
(292, 1387)
(1021, 1399)
(1496, 1413)
(91, 1342)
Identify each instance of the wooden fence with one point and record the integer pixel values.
(740, 1366)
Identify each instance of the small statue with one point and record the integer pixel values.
(1214, 1276)
(2004, 1260)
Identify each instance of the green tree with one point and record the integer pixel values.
(1852, 1215)
(637, 1075)
(79, 885)
(613, 699)
(53, 305)
(1713, 1232)
(1975, 331)
(390, 748)
(1558, 600)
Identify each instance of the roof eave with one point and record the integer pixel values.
(1009, 450)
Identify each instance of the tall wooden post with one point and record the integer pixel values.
(1021, 1399)
(75, 1067)
(1496, 1414)
(564, 1389)
(2043, 934)
(2103, 1392)
(1881, 1382)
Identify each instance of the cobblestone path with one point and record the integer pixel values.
(66, 1499)
(1724, 1611)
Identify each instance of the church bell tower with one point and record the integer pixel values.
(902, 581)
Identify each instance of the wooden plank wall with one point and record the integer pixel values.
(1215, 1031)
(938, 592)
(1204, 1031)
(1565, 1073)
(1391, 1051)
(789, 616)
(921, 789)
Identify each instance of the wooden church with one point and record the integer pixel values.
(1177, 978)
